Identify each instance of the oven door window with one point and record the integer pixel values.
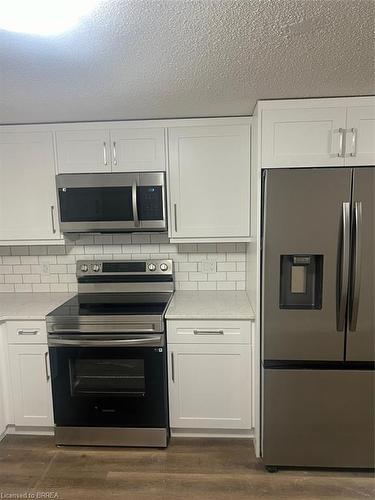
(107, 377)
(96, 204)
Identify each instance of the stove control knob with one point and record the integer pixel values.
(84, 268)
(96, 268)
(151, 267)
(164, 267)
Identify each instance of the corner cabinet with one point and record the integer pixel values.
(317, 132)
(28, 202)
(209, 181)
(210, 375)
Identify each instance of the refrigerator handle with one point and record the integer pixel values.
(356, 269)
(343, 269)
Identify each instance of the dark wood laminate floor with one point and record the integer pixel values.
(193, 469)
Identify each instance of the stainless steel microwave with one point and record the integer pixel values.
(113, 202)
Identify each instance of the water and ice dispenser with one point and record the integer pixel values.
(301, 281)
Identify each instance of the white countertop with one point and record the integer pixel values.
(210, 305)
(25, 306)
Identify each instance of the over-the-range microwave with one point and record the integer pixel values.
(113, 202)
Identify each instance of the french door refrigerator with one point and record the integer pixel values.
(318, 319)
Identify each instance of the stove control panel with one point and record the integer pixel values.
(124, 267)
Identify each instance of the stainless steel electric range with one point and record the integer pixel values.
(108, 359)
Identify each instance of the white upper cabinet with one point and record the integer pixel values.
(209, 182)
(100, 149)
(83, 151)
(317, 132)
(360, 136)
(28, 204)
(303, 137)
(137, 150)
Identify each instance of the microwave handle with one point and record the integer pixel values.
(134, 203)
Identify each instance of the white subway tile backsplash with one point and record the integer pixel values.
(31, 278)
(22, 269)
(12, 260)
(52, 268)
(207, 285)
(4, 250)
(20, 250)
(226, 285)
(23, 288)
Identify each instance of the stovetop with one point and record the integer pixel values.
(113, 304)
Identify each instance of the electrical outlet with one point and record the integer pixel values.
(45, 268)
(208, 266)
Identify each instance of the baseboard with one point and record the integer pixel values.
(213, 433)
(36, 431)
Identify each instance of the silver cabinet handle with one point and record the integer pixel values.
(114, 153)
(48, 376)
(356, 270)
(208, 332)
(340, 154)
(134, 203)
(175, 217)
(172, 365)
(343, 268)
(53, 219)
(105, 161)
(354, 141)
(27, 332)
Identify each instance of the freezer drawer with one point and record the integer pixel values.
(318, 418)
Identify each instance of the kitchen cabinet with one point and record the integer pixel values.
(31, 385)
(317, 132)
(83, 151)
(138, 149)
(210, 375)
(209, 181)
(103, 149)
(28, 203)
(360, 135)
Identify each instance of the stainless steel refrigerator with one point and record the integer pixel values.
(318, 319)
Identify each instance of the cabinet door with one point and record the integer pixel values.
(137, 150)
(80, 151)
(360, 136)
(210, 181)
(31, 385)
(27, 187)
(209, 386)
(303, 137)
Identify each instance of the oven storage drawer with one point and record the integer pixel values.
(209, 331)
(26, 332)
(109, 386)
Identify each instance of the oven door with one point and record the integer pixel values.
(109, 386)
(112, 202)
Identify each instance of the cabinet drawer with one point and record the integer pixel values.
(26, 332)
(209, 332)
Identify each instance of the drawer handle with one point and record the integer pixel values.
(27, 332)
(208, 332)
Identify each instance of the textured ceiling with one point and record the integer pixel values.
(185, 58)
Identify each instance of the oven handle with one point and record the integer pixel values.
(152, 341)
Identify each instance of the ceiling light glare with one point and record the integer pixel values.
(43, 17)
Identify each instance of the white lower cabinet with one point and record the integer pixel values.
(31, 385)
(210, 384)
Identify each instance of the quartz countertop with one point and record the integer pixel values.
(210, 305)
(29, 306)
